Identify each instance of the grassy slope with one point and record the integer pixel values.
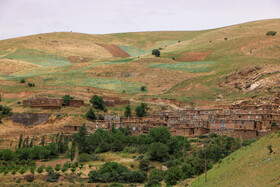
(185, 82)
(249, 166)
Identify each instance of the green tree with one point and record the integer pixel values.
(144, 164)
(22, 81)
(127, 111)
(158, 151)
(82, 140)
(160, 134)
(172, 175)
(90, 114)
(97, 102)
(156, 52)
(67, 98)
(42, 141)
(73, 150)
(141, 110)
(20, 141)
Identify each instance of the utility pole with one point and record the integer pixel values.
(205, 162)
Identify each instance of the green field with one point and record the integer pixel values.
(133, 51)
(190, 67)
(37, 57)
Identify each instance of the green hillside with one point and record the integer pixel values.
(249, 166)
(195, 67)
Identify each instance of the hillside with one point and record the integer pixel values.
(250, 166)
(197, 68)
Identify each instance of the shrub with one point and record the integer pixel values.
(67, 98)
(73, 170)
(271, 33)
(49, 169)
(144, 164)
(155, 178)
(143, 88)
(22, 170)
(40, 169)
(269, 147)
(156, 52)
(226, 39)
(52, 176)
(29, 178)
(30, 84)
(32, 169)
(18, 180)
(22, 81)
(64, 169)
(57, 167)
(84, 157)
(158, 151)
(90, 114)
(172, 175)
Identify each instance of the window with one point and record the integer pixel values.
(248, 117)
(222, 125)
(257, 117)
(213, 125)
(242, 122)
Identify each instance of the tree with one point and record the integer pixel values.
(20, 141)
(90, 114)
(160, 134)
(97, 102)
(73, 150)
(156, 52)
(144, 164)
(172, 175)
(67, 98)
(82, 140)
(127, 111)
(31, 142)
(141, 110)
(158, 151)
(43, 141)
(22, 81)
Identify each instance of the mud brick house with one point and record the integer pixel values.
(114, 101)
(44, 103)
(76, 103)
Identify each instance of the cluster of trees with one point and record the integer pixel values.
(27, 150)
(140, 110)
(156, 52)
(114, 172)
(157, 145)
(98, 103)
(4, 111)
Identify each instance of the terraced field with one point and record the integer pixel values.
(192, 67)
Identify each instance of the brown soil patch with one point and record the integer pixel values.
(190, 56)
(115, 50)
(78, 59)
(16, 95)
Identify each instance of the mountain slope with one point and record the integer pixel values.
(250, 166)
(196, 67)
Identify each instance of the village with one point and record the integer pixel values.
(242, 121)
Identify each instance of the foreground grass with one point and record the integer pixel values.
(249, 166)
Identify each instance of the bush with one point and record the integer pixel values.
(40, 169)
(144, 164)
(29, 178)
(271, 33)
(52, 176)
(158, 151)
(22, 81)
(67, 98)
(84, 157)
(114, 172)
(49, 169)
(57, 167)
(172, 175)
(156, 52)
(30, 84)
(90, 114)
(155, 178)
